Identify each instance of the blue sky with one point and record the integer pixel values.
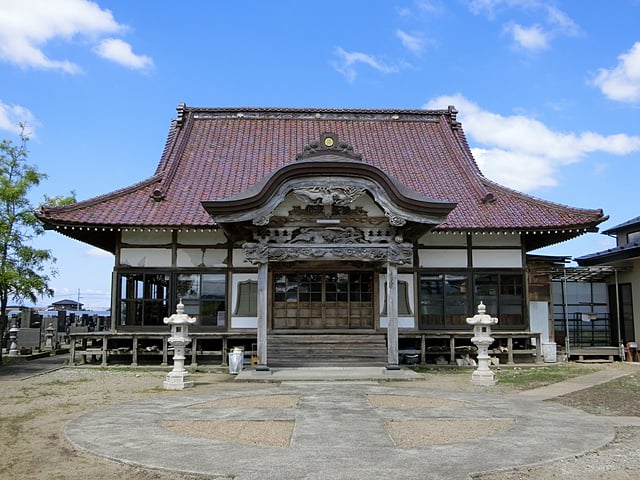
(548, 91)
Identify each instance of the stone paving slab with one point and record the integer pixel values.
(338, 434)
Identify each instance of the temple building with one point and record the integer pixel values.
(322, 236)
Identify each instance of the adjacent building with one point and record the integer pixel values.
(620, 275)
(348, 232)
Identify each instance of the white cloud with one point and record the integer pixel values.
(550, 21)
(27, 26)
(529, 38)
(413, 43)
(523, 153)
(487, 7)
(561, 22)
(120, 52)
(622, 83)
(11, 116)
(348, 61)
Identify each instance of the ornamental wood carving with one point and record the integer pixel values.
(329, 195)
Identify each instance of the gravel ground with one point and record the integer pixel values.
(33, 413)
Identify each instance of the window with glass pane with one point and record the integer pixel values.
(360, 287)
(503, 295)
(282, 283)
(511, 300)
(203, 296)
(143, 298)
(432, 300)
(188, 290)
(486, 291)
(336, 287)
(213, 299)
(456, 304)
(443, 300)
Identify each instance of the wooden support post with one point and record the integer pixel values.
(538, 348)
(263, 305)
(392, 312)
(165, 351)
(134, 351)
(224, 351)
(105, 344)
(72, 352)
(194, 347)
(452, 350)
(510, 350)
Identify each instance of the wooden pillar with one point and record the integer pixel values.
(539, 348)
(263, 306)
(72, 352)
(510, 350)
(165, 350)
(392, 313)
(105, 346)
(225, 349)
(134, 351)
(194, 349)
(452, 350)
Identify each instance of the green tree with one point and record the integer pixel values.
(25, 272)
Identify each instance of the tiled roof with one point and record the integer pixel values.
(612, 255)
(633, 224)
(212, 154)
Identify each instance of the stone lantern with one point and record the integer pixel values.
(178, 378)
(482, 340)
(13, 337)
(48, 343)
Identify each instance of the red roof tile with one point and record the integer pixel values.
(212, 154)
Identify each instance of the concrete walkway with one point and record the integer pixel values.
(339, 434)
(22, 368)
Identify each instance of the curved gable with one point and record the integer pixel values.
(328, 173)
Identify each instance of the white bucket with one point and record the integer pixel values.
(236, 361)
(549, 352)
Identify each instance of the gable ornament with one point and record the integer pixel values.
(329, 196)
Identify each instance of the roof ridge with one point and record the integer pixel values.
(182, 134)
(418, 111)
(473, 173)
(168, 146)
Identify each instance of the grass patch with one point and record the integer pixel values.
(7, 360)
(534, 377)
(616, 397)
(449, 369)
(66, 382)
(154, 390)
(12, 426)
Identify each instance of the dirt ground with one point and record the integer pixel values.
(33, 413)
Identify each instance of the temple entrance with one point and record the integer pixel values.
(323, 300)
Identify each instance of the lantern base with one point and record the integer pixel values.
(178, 381)
(483, 378)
